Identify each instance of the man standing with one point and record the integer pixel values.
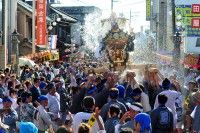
(196, 113)
(43, 120)
(127, 120)
(171, 96)
(113, 119)
(35, 90)
(2, 89)
(53, 101)
(162, 117)
(113, 95)
(9, 115)
(84, 117)
(27, 110)
(64, 98)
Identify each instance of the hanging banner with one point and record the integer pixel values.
(52, 41)
(148, 10)
(41, 22)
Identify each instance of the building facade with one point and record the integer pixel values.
(161, 26)
(58, 24)
(79, 12)
(8, 24)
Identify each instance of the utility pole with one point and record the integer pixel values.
(173, 17)
(176, 38)
(15, 42)
(112, 5)
(130, 18)
(12, 24)
(33, 27)
(3, 47)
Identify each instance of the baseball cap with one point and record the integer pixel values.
(6, 99)
(42, 98)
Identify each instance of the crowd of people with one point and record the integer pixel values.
(68, 98)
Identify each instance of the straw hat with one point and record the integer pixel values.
(196, 96)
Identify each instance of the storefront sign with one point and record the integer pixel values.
(187, 16)
(195, 8)
(54, 56)
(195, 22)
(41, 22)
(148, 10)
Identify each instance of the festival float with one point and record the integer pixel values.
(117, 44)
(117, 47)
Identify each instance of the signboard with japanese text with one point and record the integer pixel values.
(148, 10)
(41, 22)
(196, 8)
(187, 17)
(195, 22)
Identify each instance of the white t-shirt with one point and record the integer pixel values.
(54, 104)
(84, 117)
(14, 102)
(172, 97)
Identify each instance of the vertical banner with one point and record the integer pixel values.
(41, 22)
(148, 10)
(52, 41)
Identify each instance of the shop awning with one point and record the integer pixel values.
(64, 15)
(164, 57)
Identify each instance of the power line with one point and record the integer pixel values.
(82, 2)
(132, 3)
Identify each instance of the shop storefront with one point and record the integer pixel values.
(191, 61)
(50, 55)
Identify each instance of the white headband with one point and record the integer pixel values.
(136, 108)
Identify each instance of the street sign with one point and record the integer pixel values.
(148, 10)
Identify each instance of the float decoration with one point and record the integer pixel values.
(117, 44)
